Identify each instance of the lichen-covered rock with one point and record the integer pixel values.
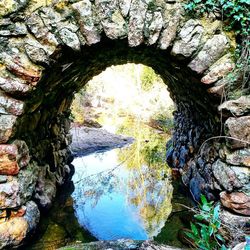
(219, 70)
(239, 130)
(6, 127)
(238, 107)
(172, 16)
(237, 202)
(124, 6)
(9, 105)
(239, 157)
(88, 25)
(10, 29)
(226, 176)
(153, 26)
(210, 53)
(70, 39)
(9, 6)
(188, 39)
(137, 15)
(113, 23)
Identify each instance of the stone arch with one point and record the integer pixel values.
(49, 52)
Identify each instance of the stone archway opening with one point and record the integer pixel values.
(49, 54)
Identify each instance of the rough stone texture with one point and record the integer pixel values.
(172, 16)
(14, 230)
(239, 157)
(227, 176)
(6, 127)
(238, 128)
(237, 202)
(137, 15)
(188, 39)
(210, 53)
(238, 107)
(84, 10)
(153, 26)
(219, 69)
(45, 57)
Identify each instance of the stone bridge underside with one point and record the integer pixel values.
(48, 53)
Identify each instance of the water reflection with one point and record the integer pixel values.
(125, 193)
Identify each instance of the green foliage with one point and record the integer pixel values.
(148, 78)
(234, 12)
(205, 231)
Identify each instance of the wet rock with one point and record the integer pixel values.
(238, 128)
(225, 176)
(153, 26)
(239, 157)
(172, 16)
(188, 39)
(218, 70)
(210, 53)
(238, 107)
(137, 15)
(6, 127)
(45, 190)
(197, 185)
(88, 25)
(237, 202)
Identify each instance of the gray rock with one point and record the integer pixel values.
(226, 176)
(87, 22)
(113, 23)
(238, 107)
(188, 39)
(9, 105)
(238, 158)
(137, 15)
(210, 53)
(153, 26)
(124, 6)
(239, 129)
(36, 54)
(70, 39)
(32, 215)
(172, 16)
(12, 29)
(219, 69)
(6, 127)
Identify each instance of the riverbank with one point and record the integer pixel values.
(86, 140)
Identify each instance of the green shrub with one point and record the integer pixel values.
(205, 231)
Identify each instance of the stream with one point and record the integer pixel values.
(124, 193)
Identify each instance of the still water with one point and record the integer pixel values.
(121, 193)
